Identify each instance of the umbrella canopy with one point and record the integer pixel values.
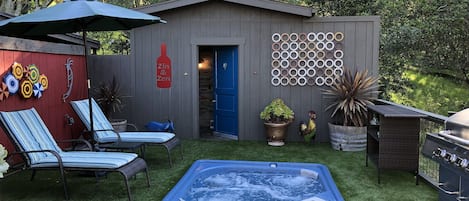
(76, 16)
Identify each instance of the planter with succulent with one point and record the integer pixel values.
(277, 117)
(109, 97)
(350, 97)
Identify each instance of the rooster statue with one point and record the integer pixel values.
(308, 131)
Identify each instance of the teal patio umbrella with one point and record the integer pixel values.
(76, 16)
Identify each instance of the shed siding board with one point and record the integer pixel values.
(249, 28)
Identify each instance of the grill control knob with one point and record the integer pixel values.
(453, 158)
(442, 152)
(464, 163)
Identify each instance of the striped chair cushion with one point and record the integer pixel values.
(86, 159)
(30, 133)
(101, 123)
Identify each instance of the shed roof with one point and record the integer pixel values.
(264, 4)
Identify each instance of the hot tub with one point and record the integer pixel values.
(252, 180)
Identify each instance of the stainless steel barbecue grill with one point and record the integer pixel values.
(450, 149)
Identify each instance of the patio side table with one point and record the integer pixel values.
(393, 138)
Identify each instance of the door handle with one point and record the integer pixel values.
(214, 101)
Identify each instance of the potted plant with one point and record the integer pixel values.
(3, 164)
(351, 95)
(109, 98)
(277, 116)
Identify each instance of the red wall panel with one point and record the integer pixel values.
(50, 106)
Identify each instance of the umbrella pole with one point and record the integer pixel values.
(90, 105)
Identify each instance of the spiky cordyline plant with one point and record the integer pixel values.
(351, 94)
(109, 97)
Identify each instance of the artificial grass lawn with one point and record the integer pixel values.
(355, 181)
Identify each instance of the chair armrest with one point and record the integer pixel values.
(117, 133)
(75, 142)
(133, 126)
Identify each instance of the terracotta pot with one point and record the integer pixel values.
(276, 133)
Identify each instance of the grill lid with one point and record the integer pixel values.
(457, 127)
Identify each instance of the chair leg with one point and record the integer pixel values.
(126, 181)
(33, 174)
(64, 182)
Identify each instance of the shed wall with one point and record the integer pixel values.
(249, 28)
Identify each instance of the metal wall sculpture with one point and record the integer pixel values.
(27, 81)
(307, 59)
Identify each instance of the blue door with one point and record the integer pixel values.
(226, 91)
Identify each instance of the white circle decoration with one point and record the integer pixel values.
(276, 37)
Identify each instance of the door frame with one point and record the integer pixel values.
(214, 41)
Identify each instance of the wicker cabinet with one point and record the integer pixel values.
(393, 138)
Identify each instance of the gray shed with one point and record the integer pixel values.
(230, 58)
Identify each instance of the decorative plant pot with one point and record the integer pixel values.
(276, 133)
(119, 125)
(347, 138)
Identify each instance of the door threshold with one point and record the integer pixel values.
(225, 136)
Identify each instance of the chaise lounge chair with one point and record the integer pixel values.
(34, 142)
(104, 132)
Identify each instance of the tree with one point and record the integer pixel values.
(18, 7)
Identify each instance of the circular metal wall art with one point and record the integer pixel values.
(275, 63)
(320, 36)
(293, 46)
(275, 81)
(293, 55)
(302, 37)
(329, 63)
(293, 72)
(37, 90)
(312, 46)
(329, 36)
(17, 70)
(302, 81)
(302, 46)
(4, 93)
(284, 46)
(320, 54)
(311, 36)
(34, 73)
(319, 81)
(311, 63)
(26, 89)
(275, 55)
(293, 81)
(302, 55)
(284, 81)
(338, 63)
(338, 54)
(311, 72)
(284, 37)
(276, 37)
(275, 46)
(329, 72)
(293, 63)
(329, 81)
(284, 54)
(330, 45)
(302, 72)
(311, 54)
(284, 63)
(275, 72)
(293, 37)
(338, 72)
(339, 36)
(302, 63)
(320, 63)
(12, 83)
(320, 46)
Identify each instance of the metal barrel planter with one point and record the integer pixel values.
(347, 138)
